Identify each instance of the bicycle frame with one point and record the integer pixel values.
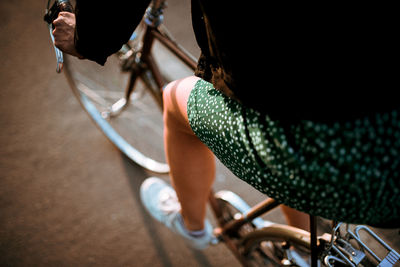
(145, 60)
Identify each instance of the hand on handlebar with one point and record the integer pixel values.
(64, 33)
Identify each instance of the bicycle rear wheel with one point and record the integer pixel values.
(280, 245)
(137, 128)
(263, 243)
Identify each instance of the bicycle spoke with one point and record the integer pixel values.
(92, 95)
(135, 127)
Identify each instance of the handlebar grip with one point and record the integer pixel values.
(57, 7)
(65, 5)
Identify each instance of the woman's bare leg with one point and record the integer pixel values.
(296, 218)
(192, 164)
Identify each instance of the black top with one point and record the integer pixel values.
(327, 62)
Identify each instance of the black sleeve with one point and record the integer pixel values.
(101, 29)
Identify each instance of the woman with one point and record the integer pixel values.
(290, 112)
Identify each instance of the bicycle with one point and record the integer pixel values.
(253, 240)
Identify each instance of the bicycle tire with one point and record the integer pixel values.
(137, 131)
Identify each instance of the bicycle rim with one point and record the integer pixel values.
(138, 129)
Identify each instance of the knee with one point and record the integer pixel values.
(166, 94)
(175, 97)
(170, 106)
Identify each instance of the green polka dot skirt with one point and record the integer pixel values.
(347, 171)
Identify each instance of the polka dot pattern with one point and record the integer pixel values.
(345, 171)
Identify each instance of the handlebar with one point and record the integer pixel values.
(57, 7)
(50, 15)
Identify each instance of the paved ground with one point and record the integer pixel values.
(67, 196)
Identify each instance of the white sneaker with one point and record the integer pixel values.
(162, 203)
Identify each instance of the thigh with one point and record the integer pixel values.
(222, 124)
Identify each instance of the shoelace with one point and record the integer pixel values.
(169, 204)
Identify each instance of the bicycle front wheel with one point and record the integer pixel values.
(134, 126)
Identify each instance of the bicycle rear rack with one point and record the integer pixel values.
(347, 254)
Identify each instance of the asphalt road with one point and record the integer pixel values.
(67, 196)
